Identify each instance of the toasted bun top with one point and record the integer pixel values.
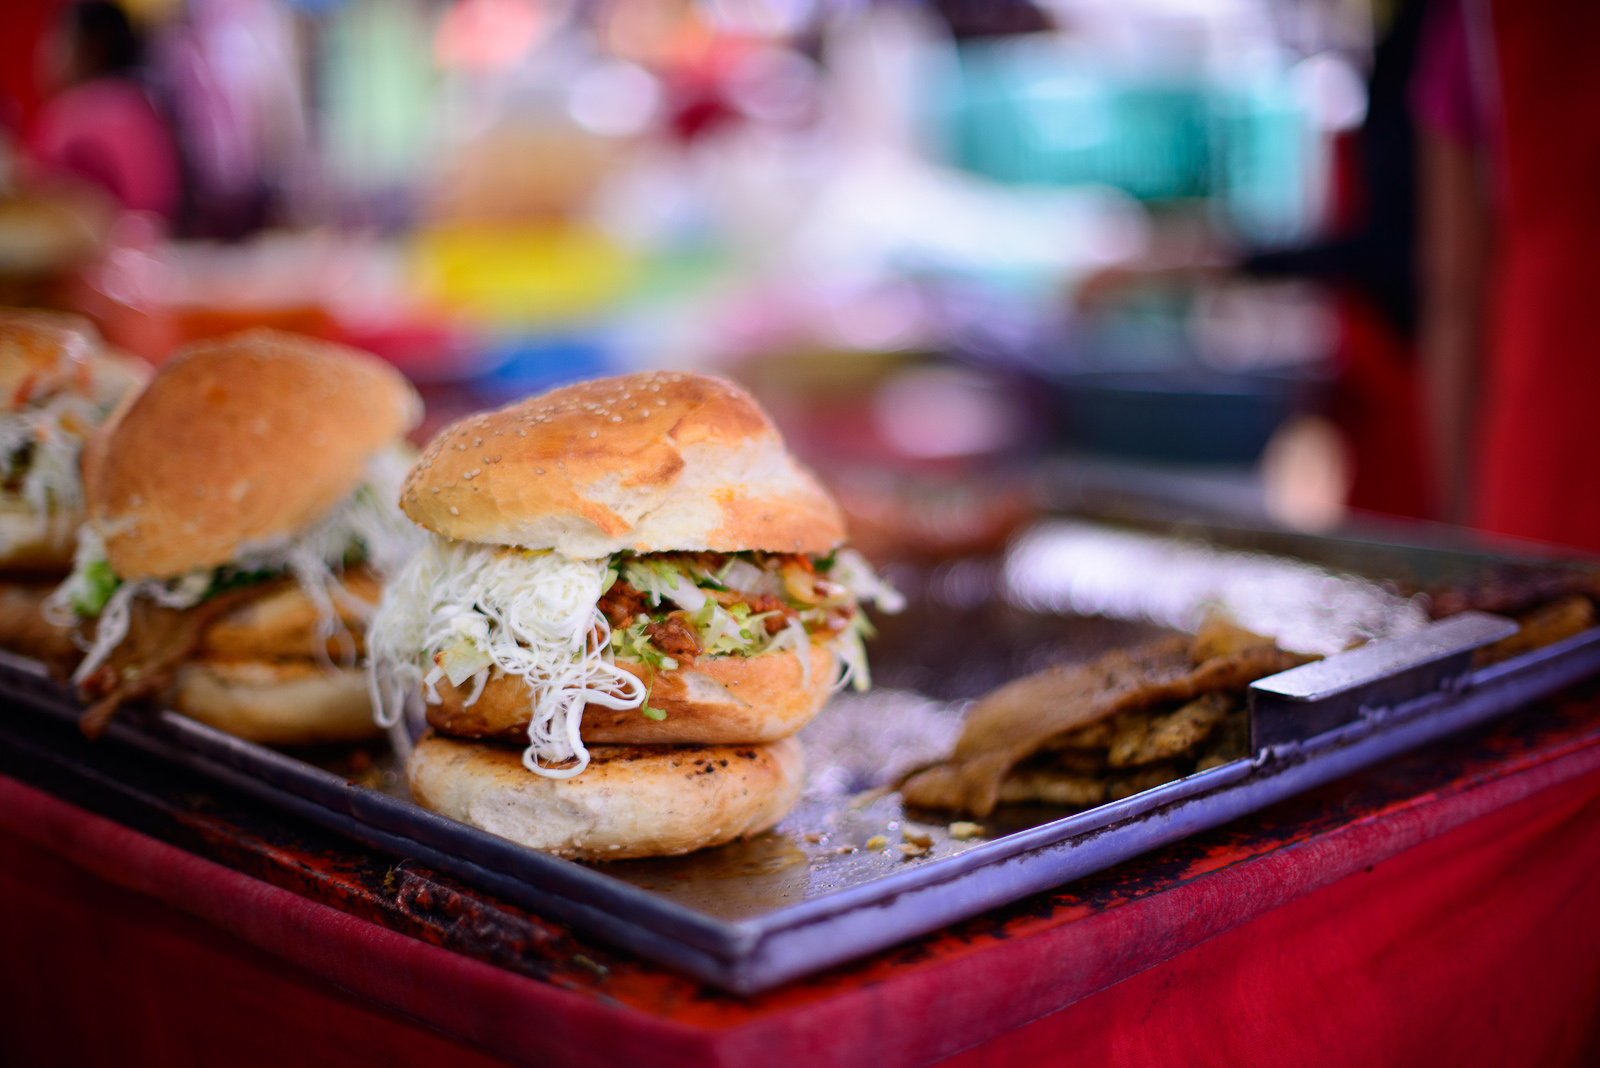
(237, 441)
(650, 462)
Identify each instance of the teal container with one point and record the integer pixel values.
(1025, 113)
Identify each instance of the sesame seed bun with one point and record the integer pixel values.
(645, 462)
(717, 700)
(632, 801)
(276, 702)
(238, 441)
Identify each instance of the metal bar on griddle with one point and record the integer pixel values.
(1314, 698)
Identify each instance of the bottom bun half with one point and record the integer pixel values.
(715, 701)
(31, 546)
(276, 702)
(631, 801)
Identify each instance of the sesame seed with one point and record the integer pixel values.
(454, 510)
(594, 433)
(616, 418)
(538, 470)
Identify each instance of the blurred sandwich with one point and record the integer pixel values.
(58, 382)
(633, 580)
(241, 518)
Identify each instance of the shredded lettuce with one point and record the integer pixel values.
(664, 579)
(841, 580)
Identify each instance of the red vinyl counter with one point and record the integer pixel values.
(1443, 908)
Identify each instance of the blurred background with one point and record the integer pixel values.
(978, 258)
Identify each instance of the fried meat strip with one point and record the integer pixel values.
(1543, 626)
(1511, 591)
(1147, 738)
(24, 630)
(159, 641)
(1052, 788)
(1039, 711)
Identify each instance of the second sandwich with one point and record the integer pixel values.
(241, 519)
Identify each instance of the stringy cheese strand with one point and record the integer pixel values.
(544, 625)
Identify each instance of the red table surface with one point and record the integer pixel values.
(1440, 910)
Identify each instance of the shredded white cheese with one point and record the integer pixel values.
(463, 610)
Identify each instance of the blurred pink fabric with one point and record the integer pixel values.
(108, 132)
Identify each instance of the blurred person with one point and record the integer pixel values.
(1368, 260)
(100, 123)
(1512, 102)
(1371, 262)
(232, 69)
(1450, 103)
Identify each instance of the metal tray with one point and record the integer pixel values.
(755, 914)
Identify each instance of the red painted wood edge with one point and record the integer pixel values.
(882, 1023)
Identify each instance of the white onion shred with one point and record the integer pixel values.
(532, 614)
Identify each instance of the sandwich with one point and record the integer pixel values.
(634, 582)
(58, 381)
(240, 521)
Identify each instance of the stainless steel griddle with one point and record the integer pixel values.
(755, 914)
